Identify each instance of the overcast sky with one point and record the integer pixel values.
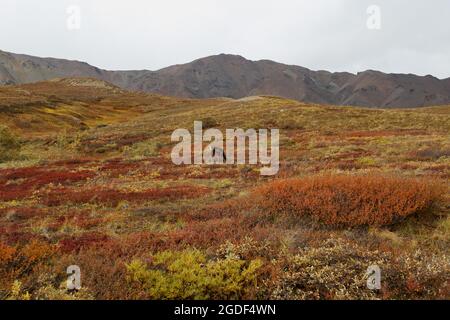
(414, 35)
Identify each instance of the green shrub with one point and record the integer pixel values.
(9, 145)
(189, 275)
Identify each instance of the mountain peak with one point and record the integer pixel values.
(234, 76)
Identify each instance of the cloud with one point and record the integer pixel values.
(151, 34)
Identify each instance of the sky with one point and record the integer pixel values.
(395, 36)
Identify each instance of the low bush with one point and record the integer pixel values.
(142, 150)
(112, 197)
(19, 263)
(189, 275)
(337, 269)
(288, 124)
(75, 244)
(9, 145)
(429, 153)
(209, 122)
(345, 200)
(20, 183)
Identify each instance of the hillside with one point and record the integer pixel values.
(86, 178)
(236, 77)
(73, 104)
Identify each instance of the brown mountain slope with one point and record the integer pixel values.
(51, 107)
(236, 77)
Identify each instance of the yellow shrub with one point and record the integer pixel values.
(17, 292)
(188, 275)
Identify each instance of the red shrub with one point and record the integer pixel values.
(406, 166)
(81, 219)
(14, 193)
(429, 154)
(12, 237)
(231, 208)
(117, 167)
(208, 235)
(73, 162)
(113, 197)
(20, 173)
(129, 139)
(348, 200)
(74, 244)
(386, 133)
(103, 271)
(22, 213)
(173, 173)
(346, 165)
(214, 173)
(60, 177)
(20, 183)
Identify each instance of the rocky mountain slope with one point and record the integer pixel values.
(236, 77)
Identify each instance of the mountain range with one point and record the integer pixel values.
(234, 76)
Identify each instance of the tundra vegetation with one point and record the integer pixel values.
(86, 179)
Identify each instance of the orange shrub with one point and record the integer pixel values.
(342, 200)
(21, 262)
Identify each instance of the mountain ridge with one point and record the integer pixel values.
(234, 76)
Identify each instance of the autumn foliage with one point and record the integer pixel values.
(20, 183)
(114, 197)
(189, 275)
(20, 262)
(345, 200)
(90, 182)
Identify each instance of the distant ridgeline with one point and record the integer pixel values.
(236, 77)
